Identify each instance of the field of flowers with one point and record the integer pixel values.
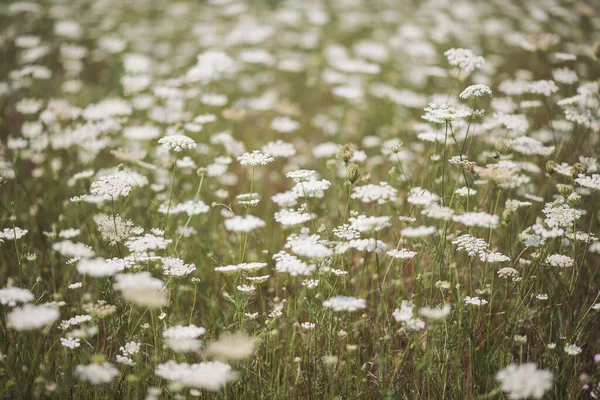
(309, 199)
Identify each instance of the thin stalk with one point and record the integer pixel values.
(170, 194)
(190, 216)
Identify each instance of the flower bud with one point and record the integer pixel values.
(346, 152)
(574, 199)
(507, 216)
(550, 166)
(396, 149)
(564, 190)
(352, 173)
(502, 145)
(578, 168)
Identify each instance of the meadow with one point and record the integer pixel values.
(310, 199)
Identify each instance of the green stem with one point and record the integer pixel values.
(243, 252)
(170, 194)
(190, 216)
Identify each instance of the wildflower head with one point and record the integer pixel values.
(352, 172)
(346, 152)
(578, 168)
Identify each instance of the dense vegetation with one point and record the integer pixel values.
(300, 199)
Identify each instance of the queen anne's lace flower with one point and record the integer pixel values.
(210, 375)
(177, 142)
(529, 146)
(106, 109)
(99, 267)
(235, 346)
(241, 267)
(438, 212)
(524, 381)
(369, 245)
(125, 360)
(345, 303)
(284, 124)
(560, 261)
(302, 175)
(76, 320)
(147, 242)
(508, 273)
(543, 87)
(285, 199)
(572, 349)
(471, 244)
(111, 186)
(420, 196)
(560, 215)
(419, 231)
(435, 313)
(516, 123)
(465, 59)
(292, 265)
(362, 223)
(445, 114)
(405, 315)
(476, 91)
(307, 245)
(346, 232)
(311, 188)
(130, 348)
(381, 194)
(73, 249)
(402, 254)
(115, 229)
(15, 233)
(255, 158)
(31, 317)
(96, 373)
(591, 182)
(147, 132)
(184, 332)
(70, 343)
(244, 224)
(481, 219)
(190, 207)
(173, 266)
(292, 217)
(493, 257)
(210, 66)
(12, 295)
(475, 301)
(279, 148)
